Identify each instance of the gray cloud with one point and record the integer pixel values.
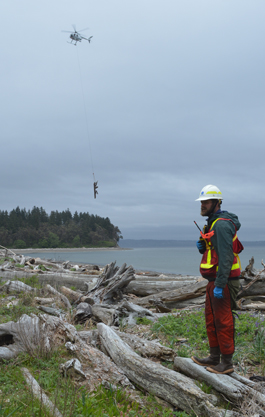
(171, 98)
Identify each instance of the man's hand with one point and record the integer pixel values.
(218, 292)
(201, 245)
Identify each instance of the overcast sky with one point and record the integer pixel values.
(168, 97)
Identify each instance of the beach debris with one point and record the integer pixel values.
(146, 348)
(82, 313)
(145, 285)
(61, 296)
(72, 366)
(111, 284)
(39, 393)
(15, 286)
(50, 310)
(176, 388)
(171, 298)
(43, 301)
(109, 356)
(232, 388)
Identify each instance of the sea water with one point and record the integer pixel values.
(177, 260)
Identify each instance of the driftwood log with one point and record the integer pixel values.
(15, 287)
(39, 393)
(253, 280)
(171, 298)
(97, 367)
(111, 284)
(234, 389)
(125, 313)
(177, 389)
(251, 272)
(144, 287)
(145, 348)
(58, 294)
(72, 295)
(32, 334)
(44, 301)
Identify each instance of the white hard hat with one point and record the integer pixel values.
(210, 192)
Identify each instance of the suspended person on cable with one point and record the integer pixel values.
(95, 189)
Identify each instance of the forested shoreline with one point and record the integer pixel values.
(21, 228)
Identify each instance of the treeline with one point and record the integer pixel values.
(21, 228)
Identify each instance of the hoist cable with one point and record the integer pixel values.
(85, 110)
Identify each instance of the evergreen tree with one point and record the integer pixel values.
(35, 228)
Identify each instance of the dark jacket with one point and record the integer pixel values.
(222, 241)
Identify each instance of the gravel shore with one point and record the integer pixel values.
(65, 250)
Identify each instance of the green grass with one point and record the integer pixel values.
(32, 281)
(15, 312)
(16, 397)
(143, 320)
(191, 326)
(75, 401)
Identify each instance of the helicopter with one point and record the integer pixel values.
(76, 37)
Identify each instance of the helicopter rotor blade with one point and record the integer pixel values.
(67, 31)
(83, 30)
(74, 26)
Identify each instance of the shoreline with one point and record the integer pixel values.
(43, 250)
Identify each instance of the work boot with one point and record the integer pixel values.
(212, 360)
(224, 367)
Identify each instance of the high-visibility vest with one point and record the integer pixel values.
(209, 262)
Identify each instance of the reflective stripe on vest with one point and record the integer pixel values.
(236, 266)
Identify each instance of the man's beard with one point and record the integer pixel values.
(206, 213)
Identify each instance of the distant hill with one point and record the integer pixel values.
(35, 228)
(153, 243)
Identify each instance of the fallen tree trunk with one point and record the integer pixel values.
(97, 367)
(191, 302)
(38, 261)
(234, 389)
(253, 281)
(252, 306)
(111, 284)
(257, 287)
(251, 272)
(175, 388)
(39, 334)
(105, 314)
(39, 393)
(171, 298)
(78, 280)
(16, 286)
(145, 288)
(73, 296)
(61, 296)
(43, 301)
(146, 348)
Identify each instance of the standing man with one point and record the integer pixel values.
(220, 264)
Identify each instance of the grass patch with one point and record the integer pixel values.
(249, 338)
(190, 326)
(32, 281)
(143, 320)
(16, 397)
(15, 312)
